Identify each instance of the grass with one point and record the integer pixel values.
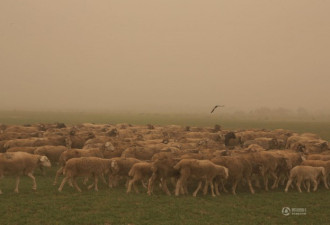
(114, 206)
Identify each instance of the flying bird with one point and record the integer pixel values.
(216, 107)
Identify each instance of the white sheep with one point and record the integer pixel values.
(87, 167)
(306, 173)
(21, 163)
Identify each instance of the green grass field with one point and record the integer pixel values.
(114, 206)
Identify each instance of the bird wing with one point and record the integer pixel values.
(214, 108)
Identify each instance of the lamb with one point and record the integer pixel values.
(124, 165)
(139, 171)
(21, 163)
(87, 166)
(306, 173)
(201, 170)
(318, 163)
(75, 153)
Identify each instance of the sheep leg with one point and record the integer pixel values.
(257, 182)
(250, 185)
(178, 186)
(110, 182)
(96, 180)
(42, 170)
(197, 189)
(103, 179)
(304, 184)
(151, 183)
(165, 188)
(206, 186)
(266, 182)
(70, 182)
(325, 182)
(223, 187)
(182, 191)
(299, 180)
(85, 181)
(113, 180)
(91, 186)
(17, 183)
(315, 184)
(210, 182)
(216, 187)
(185, 188)
(127, 182)
(275, 185)
(233, 189)
(129, 186)
(34, 187)
(276, 179)
(63, 182)
(58, 172)
(135, 188)
(308, 184)
(74, 180)
(288, 184)
(144, 185)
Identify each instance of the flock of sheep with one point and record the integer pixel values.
(180, 156)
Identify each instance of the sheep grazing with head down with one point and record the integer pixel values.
(21, 163)
(87, 167)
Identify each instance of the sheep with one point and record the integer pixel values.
(124, 165)
(75, 153)
(21, 163)
(87, 166)
(318, 163)
(77, 139)
(162, 169)
(142, 153)
(201, 170)
(238, 168)
(266, 143)
(138, 172)
(22, 149)
(52, 152)
(318, 157)
(306, 173)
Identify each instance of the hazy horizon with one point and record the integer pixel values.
(164, 56)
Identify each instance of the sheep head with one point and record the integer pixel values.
(114, 166)
(44, 161)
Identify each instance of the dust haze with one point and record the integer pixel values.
(164, 56)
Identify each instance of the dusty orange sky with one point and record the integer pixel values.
(164, 55)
